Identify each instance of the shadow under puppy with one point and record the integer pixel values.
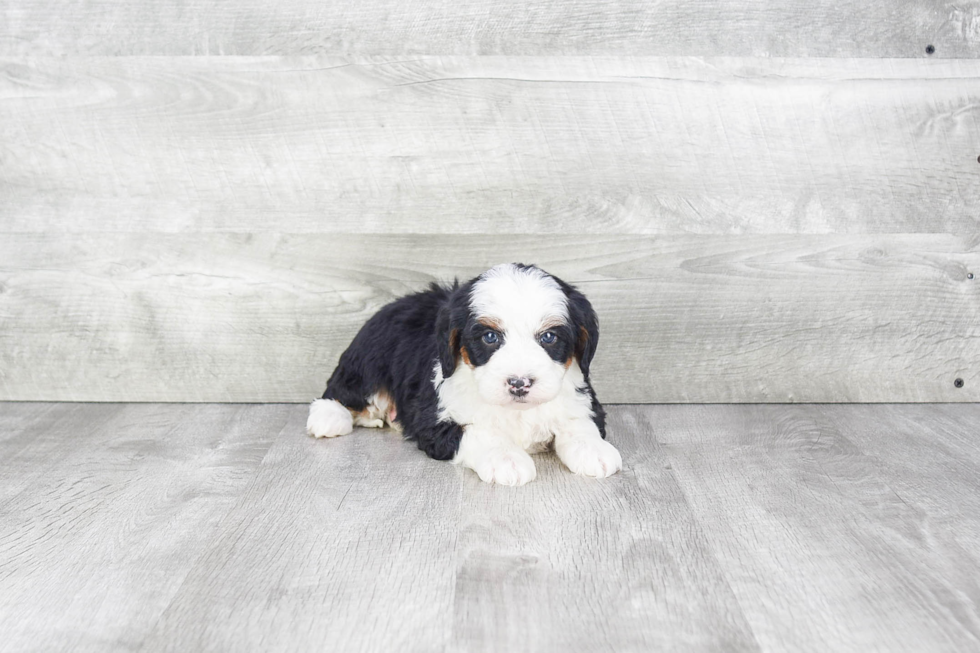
(482, 373)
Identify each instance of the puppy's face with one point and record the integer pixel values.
(520, 330)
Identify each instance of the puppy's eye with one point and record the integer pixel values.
(490, 338)
(548, 338)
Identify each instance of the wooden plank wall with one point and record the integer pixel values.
(766, 201)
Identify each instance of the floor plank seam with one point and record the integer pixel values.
(215, 535)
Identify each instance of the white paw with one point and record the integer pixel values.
(328, 419)
(369, 423)
(505, 467)
(591, 457)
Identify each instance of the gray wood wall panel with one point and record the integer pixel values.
(767, 201)
(489, 145)
(819, 28)
(246, 317)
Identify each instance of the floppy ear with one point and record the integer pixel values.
(449, 325)
(586, 325)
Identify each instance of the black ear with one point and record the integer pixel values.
(449, 326)
(586, 325)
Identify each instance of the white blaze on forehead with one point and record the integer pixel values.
(520, 299)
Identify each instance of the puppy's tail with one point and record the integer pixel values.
(328, 419)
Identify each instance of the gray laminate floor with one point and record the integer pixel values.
(731, 528)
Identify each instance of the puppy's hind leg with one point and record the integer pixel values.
(379, 412)
(351, 398)
(328, 419)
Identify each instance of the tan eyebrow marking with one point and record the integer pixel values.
(551, 323)
(490, 323)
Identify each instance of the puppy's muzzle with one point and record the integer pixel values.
(520, 385)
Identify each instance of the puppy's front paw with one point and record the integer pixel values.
(506, 467)
(591, 457)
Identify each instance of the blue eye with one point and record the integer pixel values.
(490, 338)
(548, 338)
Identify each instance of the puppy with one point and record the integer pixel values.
(483, 374)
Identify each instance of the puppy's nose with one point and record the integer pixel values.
(520, 385)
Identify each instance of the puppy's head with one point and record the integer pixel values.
(520, 330)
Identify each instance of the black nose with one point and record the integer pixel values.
(520, 385)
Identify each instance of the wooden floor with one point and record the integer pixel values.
(173, 527)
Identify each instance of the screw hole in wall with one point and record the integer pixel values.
(958, 383)
(930, 49)
(969, 275)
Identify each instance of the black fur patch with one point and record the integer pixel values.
(396, 350)
(564, 345)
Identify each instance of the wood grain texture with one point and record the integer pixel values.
(824, 550)
(30, 449)
(97, 536)
(928, 456)
(18, 417)
(570, 564)
(473, 145)
(845, 28)
(243, 317)
(345, 545)
(734, 528)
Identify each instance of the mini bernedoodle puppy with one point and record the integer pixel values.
(482, 373)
